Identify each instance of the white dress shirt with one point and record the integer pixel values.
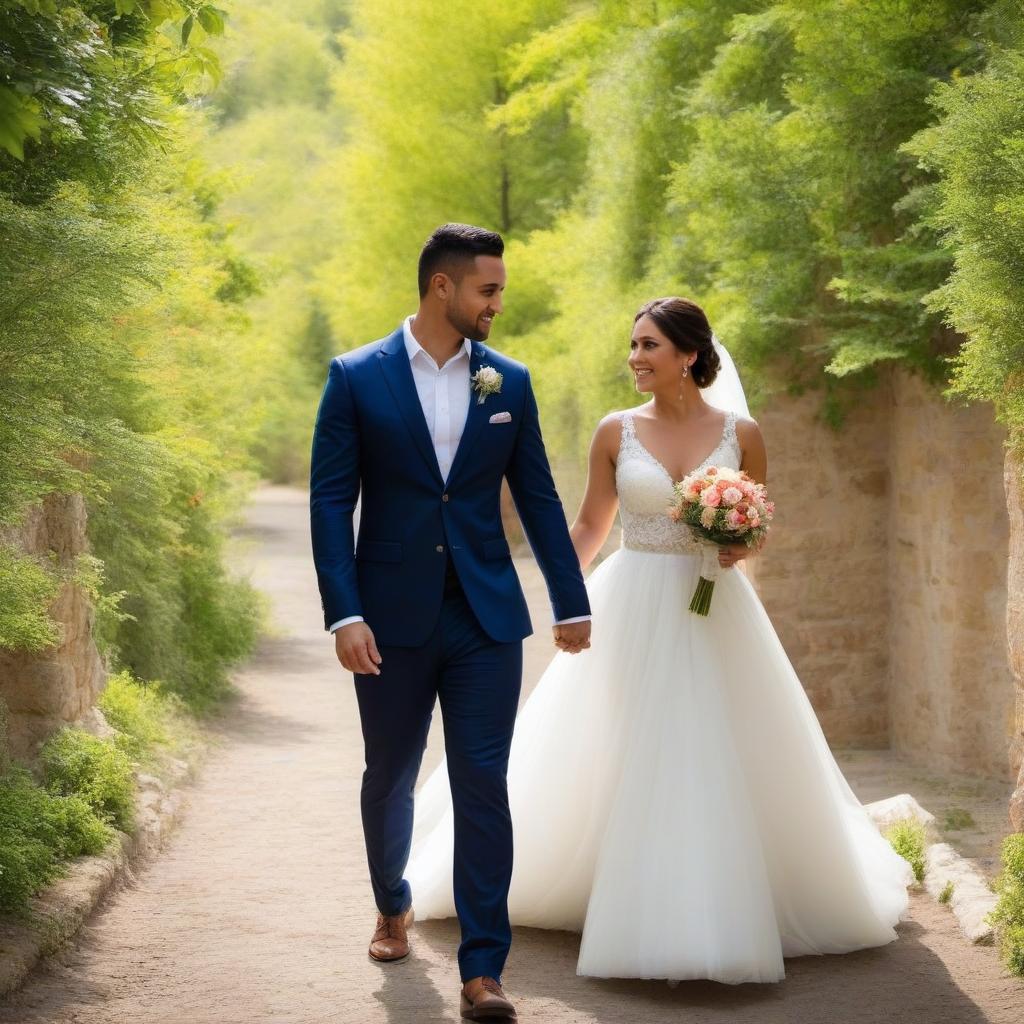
(444, 393)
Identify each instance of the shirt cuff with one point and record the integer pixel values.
(579, 618)
(346, 622)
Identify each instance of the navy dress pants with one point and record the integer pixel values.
(477, 683)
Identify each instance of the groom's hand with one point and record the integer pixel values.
(356, 649)
(573, 637)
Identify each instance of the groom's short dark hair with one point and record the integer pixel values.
(451, 247)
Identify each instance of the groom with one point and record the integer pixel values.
(423, 426)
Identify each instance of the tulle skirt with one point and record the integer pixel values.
(674, 798)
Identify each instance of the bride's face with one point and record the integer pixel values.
(654, 361)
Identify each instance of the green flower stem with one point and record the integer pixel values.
(701, 603)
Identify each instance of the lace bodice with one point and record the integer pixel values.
(645, 490)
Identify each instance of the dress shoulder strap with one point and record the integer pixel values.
(729, 431)
(627, 439)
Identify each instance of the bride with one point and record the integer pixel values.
(673, 796)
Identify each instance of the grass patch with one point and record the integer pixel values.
(1008, 915)
(76, 763)
(956, 819)
(947, 893)
(907, 838)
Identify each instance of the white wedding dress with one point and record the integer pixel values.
(673, 796)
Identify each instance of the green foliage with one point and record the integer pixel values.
(908, 839)
(93, 74)
(148, 718)
(977, 204)
(122, 334)
(38, 832)
(76, 763)
(1008, 915)
(88, 786)
(419, 150)
(806, 170)
(271, 137)
(27, 589)
(947, 893)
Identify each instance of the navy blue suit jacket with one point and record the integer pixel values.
(371, 439)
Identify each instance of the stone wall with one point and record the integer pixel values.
(951, 691)
(888, 585)
(823, 575)
(1014, 482)
(59, 686)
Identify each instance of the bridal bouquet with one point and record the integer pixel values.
(721, 506)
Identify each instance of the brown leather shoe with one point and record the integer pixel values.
(390, 942)
(482, 999)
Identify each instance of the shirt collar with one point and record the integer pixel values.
(414, 348)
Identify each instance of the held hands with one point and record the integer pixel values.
(572, 637)
(356, 649)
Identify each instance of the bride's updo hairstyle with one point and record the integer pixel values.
(684, 324)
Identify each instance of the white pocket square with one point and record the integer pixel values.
(501, 417)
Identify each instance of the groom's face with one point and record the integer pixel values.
(475, 299)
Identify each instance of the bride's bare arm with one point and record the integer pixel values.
(600, 502)
(754, 462)
(755, 458)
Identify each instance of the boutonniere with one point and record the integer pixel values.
(486, 381)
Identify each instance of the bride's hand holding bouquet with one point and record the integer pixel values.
(724, 508)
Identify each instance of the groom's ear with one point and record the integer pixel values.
(441, 285)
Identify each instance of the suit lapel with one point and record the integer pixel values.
(394, 364)
(475, 418)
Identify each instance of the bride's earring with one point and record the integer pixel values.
(686, 373)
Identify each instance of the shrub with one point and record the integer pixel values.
(75, 763)
(38, 831)
(1008, 915)
(947, 893)
(138, 712)
(907, 838)
(27, 589)
(147, 717)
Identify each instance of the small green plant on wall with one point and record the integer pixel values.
(907, 838)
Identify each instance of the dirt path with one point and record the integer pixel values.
(259, 909)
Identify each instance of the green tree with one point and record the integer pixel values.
(414, 92)
(976, 150)
(121, 330)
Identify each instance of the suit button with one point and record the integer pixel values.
(440, 549)
(444, 497)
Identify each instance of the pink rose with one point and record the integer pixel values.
(732, 495)
(711, 498)
(734, 519)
